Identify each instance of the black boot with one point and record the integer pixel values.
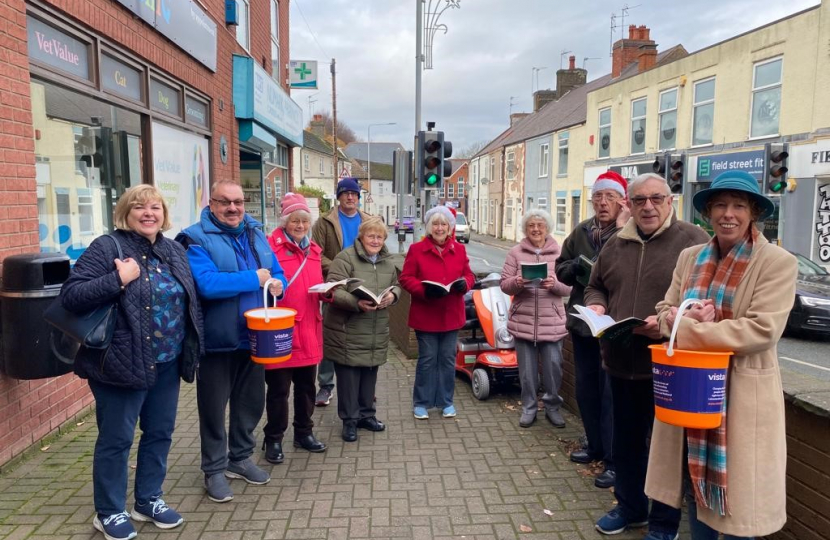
(349, 432)
(310, 443)
(273, 452)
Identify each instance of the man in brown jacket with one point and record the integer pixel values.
(631, 274)
(335, 232)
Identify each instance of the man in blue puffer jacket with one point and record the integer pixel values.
(230, 260)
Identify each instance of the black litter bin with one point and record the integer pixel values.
(31, 282)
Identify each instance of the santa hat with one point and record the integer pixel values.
(610, 180)
(445, 212)
(292, 202)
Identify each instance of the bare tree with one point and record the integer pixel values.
(345, 134)
(472, 149)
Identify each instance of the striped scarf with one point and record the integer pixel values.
(600, 234)
(717, 278)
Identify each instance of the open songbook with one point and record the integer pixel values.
(326, 287)
(365, 294)
(439, 289)
(603, 326)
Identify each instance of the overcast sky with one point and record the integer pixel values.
(486, 56)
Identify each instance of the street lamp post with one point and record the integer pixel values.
(369, 153)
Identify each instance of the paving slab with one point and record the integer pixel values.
(476, 476)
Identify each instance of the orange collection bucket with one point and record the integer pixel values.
(270, 331)
(689, 386)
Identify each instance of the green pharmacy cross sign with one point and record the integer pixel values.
(303, 74)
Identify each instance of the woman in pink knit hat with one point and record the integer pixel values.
(300, 258)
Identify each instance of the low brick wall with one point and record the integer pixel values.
(807, 409)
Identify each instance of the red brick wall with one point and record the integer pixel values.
(31, 410)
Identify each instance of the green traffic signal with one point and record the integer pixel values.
(431, 179)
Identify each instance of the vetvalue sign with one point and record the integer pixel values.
(183, 22)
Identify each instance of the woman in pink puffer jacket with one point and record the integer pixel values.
(537, 317)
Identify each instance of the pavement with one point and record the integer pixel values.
(477, 476)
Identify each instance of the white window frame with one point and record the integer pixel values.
(644, 119)
(275, 40)
(544, 159)
(460, 187)
(450, 190)
(86, 211)
(243, 29)
(561, 215)
(508, 212)
(484, 205)
(562, 142)
(664, 114)
(758, 89)
(306, 162)
(601, 128)
(542, 203)
(702, 103)
(511, 164)
(492, 211)
(322, 166)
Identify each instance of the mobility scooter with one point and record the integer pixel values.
(488, 358)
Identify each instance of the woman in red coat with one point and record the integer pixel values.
(436, 316)
(300, 258)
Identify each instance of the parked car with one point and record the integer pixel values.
(811, 310)
(407, 225)
(462, 228)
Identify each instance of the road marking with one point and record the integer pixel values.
(804, 363)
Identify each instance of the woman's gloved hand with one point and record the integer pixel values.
(459, 286)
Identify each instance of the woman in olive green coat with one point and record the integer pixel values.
(356, 331)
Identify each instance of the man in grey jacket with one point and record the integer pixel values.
(631, 274)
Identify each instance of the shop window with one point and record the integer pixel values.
(638, 126)
(604, 134)
(704, 112)
(88, 153)
(668, 120)
(563, 154)
(544, 156)
(766, 98)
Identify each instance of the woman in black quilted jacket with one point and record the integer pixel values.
(157, 340)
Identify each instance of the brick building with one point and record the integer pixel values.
(101, 95)
(454, 189)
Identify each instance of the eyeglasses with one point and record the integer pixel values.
(224, 203)
(375, 237)
(656, 200)
(610, 197)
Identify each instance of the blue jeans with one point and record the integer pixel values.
(435, 373)
(593, 395)
(117, 410)
(633, 418)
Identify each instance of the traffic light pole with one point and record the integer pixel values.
(419, 59)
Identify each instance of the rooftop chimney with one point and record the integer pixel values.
(515, 117)
(542, 98)
(638, 46)
(317, 126)
(568, 79)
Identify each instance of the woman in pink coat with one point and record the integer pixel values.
(300, 258)
(537, 317)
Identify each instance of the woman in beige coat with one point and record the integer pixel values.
(748, 285)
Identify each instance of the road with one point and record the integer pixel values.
(806, 355)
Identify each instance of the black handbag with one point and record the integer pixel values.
(92, 330)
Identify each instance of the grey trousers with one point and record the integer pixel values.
(355, 392)
(550, 353)
(228, 379)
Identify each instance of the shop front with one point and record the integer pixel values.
(103, 121)
(270, 123)
(808, 230)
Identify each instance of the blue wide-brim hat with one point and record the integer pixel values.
(735, 181)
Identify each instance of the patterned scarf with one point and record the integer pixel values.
(600, 234)
(717, 278)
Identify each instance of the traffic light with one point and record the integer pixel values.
(674, 176)
(775, 167)
(88, 147)
(659, 165)
(431, 166)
